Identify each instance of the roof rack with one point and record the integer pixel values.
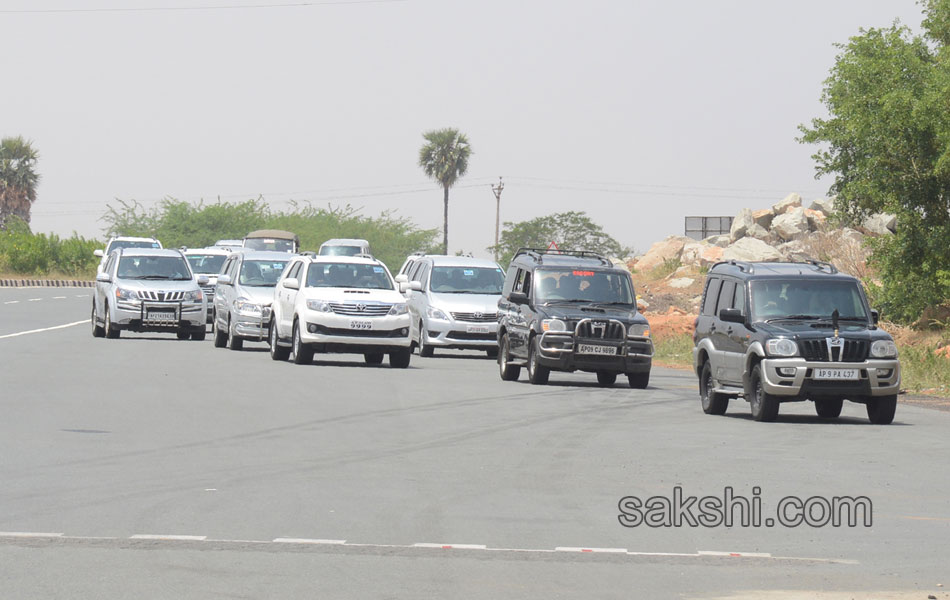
(539, 253)
(309, 253)
(824, 265)
(745, 267)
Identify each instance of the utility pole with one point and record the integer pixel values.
(496, 189)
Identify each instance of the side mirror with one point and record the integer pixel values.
(875, 316)
(415, 286)
(291, 284)
(98, 252)
(402, 278)
(224, 280)
(203, 280)
(104, 278)
(731, 315)
(518, 298)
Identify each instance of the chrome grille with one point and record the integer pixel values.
(161, 296)
(817, 350)
(361, 309)
(208, 291)
(475, 317)
(601, 329)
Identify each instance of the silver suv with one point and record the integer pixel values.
(207, 262)
(148, 290)
(243, 297)
(456, 305)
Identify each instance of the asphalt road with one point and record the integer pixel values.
(147, 467)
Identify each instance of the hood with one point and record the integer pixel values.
(471, 303)
(576, 312)
(158, 285)
(353, 295)
(257, 295)
(812, 330)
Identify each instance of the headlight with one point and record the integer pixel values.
(781, 347)
(553, 325)
(399, 309)
(244, 307)
(884, 349)
(193, 296)
(435, 313)
(122, 294)
(319, 305)
(638, 330)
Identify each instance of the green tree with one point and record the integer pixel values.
(18, 179)
(569, 230)
(886, 141)
(444, 158)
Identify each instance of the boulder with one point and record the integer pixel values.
(752, 250)
(681, 282)
(710, 256)
(758, 232)
(763, 218)
(816, 219)
(881, 224)
(741, 224)
(691, 252)
(791, 225)
(668, 249)
(825, 205)
(718, 240)
(794, 251)
(791, 201)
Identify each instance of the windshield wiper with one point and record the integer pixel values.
(613, 303)
(574, 301)
(793, 318)
(152, 277)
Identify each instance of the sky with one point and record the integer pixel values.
(637, 112)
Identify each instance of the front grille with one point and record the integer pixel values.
(208, 292)
(161, 296)
(464, 335)
(475, 317)
(598, 329)
(367, 333)
(361, 309)
(817, 350)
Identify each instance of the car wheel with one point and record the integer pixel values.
(110, 329)
(713, 403)
(303, 354)
(492, 352)
(400, 359)
(373, 358)
(198, 335)
(425, 349)
(508, 371)
(881, 409)
(220, 337)
(97, 329)
(606, 378)
(639, 381)
(277, 352)
(828, 409)
(537, 373)
(234, 342)
(183, 334)
(764, 406)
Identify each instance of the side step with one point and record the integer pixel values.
(730, 391)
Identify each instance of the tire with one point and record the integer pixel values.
(492, 352)
(425, 350)
(111, 332)
(639, 381)
(509, 372)
(828, 409)
(234, 342)
(881, 409)
(277, 352)
(97, 329)
(764, 406)
(220, 337)
(303, 354)
(538, 374)
(198, 335)
(182, 334)
(373, 358)
(400, 359)
(606, 378)
(713, 403)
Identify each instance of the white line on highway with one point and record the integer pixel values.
(19, 333)
(12, 302)
(59, 297)
(307, 541)
(452, 546)
(82, 295)
(608, 550)
(29, 534)
(35, 299)
(169, 538)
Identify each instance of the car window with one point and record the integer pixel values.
(510, 280)
(261, 273)
(206, 264)
(583, 284)
(154, 267)
(776, 299)
(725, 295)
(712, 294)
(270, 244)
(349, 275)
(340, 250)
(738, 301)
(467, 280)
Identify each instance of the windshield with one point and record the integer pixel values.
(582, 285)
(153, 267)
(774, 299)
(467, 280)
(272, 244)
(206, 264)
(131, 244)
(261, 273)
(372, 277)
(340, 250)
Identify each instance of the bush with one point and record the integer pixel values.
(25, 253)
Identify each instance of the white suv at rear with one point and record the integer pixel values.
(339, 304)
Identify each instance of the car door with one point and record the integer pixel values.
(519, 315)
(722, 332)
(224, 293)
(739, 335)
(284, 300)
(102, 288)
(418, 299)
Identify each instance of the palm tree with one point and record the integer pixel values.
(18, 179)
(444, 158)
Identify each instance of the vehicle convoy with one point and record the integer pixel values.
(124, 241)
(272, 240)
(344, 247)
(144, 289)
(456, 305)
(243, 297)
(787, 332)
(339, 304)
(207, 262)
(571, 311)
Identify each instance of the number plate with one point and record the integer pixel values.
(835, 374)
(361, 324)
(160, 315)
(477, 329)
(595, 349)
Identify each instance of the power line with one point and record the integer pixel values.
(194, 8)
(650, 185)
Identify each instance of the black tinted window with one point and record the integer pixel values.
(725, 295)
(712, 293)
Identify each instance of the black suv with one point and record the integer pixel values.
(571, 311)
(787, 332)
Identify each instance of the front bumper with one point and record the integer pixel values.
(337, 332)
(463, 335)
(877, 377)
(252, 326)
(159, 316)
(560, 350)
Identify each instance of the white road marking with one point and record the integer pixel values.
(35, 299)
(28, 534)
(172, 538)
(451, 546)
(82, 295)
(307, 541)
(12, 302)
(59, 297)
(607, 550)
(19, 333)
(738, 554)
